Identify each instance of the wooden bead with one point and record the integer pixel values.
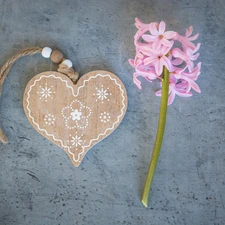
(56, 56)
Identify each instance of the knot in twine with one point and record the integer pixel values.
(62, 68)
(70, 72)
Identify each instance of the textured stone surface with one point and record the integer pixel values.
(38, 183)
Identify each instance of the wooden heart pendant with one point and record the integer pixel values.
(75, 117)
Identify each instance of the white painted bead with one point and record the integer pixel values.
(68, 63)
(46, 52)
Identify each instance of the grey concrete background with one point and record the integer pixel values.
(38, 183)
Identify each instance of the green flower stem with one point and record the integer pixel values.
(159, 137)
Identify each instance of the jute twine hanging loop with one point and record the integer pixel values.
(62, 68)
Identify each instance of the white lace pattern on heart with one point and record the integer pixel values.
(76, 115)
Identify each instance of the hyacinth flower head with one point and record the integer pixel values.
(155, 49)
(158, 57)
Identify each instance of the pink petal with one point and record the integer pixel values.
(195, 57)
(162, 27)
(136, 81)
(156, 44)
(139, 55)
(197, 47)
(131, 61)
(158, 93)
(150, 60)
(164, 50)
(177, 53)
(199, 66)
(152, 28)
(165, 42)
(189, 31)
(183, 94)
(141, 26)
(177, 62)
(171, 98)
(185, 42)
(193, 37)
(190, 65)
(166, 62)
(138, 23)
(136, 37)
(158, 67)
(148, 79)
(169, 34)
(151, 76)
(195, 87)
(193, 75)
(147, 51)
(149, 38)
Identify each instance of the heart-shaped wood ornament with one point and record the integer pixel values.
(75, 117)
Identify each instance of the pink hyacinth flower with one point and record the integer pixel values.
(189, 56)
(155, 50)
(190, 77)
(186, 40)
(176, 88)
(159, 36)
(142, 70)
(157, 58)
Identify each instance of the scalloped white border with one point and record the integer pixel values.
(75, 95)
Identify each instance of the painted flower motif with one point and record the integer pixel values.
(76, 141)
(76, 115)
(45, 92)
(49, 119)
(104, 117)
(102, 94)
